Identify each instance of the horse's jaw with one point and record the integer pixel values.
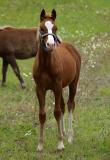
(48, 50)
(44, 48)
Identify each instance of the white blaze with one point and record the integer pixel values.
(49, 26)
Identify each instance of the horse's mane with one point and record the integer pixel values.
(6, 27)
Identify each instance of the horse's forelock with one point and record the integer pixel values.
(48, 17)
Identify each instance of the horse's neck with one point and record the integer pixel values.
(45, 59)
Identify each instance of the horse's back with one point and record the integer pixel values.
(71, 62)
(71, 49)
(16, 33)
(68, 51)
(11, 28)
(19, 41)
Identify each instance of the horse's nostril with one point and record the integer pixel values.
(47, 44)
(50, 45)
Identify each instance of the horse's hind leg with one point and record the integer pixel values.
(12, 61)
(4, 70)
(71, 107)
(62, 116)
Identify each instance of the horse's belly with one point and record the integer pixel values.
(67, 81)
(22, 55)
(68, 75)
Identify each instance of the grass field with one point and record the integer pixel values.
(86, 24)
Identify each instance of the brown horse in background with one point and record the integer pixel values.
(56, 66)
(16, 44)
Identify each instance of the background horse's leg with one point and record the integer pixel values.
(62, 116)
(4, 70)
(12, 61)
(42, 116)
(71, 107)
(57, 114)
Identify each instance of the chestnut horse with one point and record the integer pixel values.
(16, 44)
(56, 66)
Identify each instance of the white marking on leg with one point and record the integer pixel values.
(61, 145)
(60, 136)
(40, 147)
(63, 125)
(70, 129)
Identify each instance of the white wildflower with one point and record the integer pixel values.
(30, 73)
(28, 133)
(94, 47)
(25, 74)
(97, 12)
(86, 6)
(92, 65)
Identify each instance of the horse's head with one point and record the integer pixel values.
(47, 30)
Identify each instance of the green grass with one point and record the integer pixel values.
(92, 139)
(83, 17)
(86, 23)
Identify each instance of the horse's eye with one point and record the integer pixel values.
(42, 30)
(55, 29)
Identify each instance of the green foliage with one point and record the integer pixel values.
(104, 91)
(85, 22)
(82, 16)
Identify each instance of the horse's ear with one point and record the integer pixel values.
(42, 15)
(53, 14)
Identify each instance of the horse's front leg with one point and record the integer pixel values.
(57, 114)
(42, 116)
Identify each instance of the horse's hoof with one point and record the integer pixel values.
(60, 146)
(23, 86)
(70, 137)
(40, 147)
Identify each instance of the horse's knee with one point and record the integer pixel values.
(71, 106)
(57, 114)
(63, 108)
(42, 117)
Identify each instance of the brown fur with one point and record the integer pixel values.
(54, 70)
(16, 44)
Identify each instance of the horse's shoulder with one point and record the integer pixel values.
(71, 48)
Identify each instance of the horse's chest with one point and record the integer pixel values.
(45, 79)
